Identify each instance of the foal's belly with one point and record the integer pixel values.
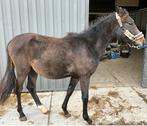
(49, 70)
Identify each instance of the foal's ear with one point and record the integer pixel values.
(123, 13)
(117, 9)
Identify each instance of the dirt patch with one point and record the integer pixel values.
(2, 112)
(108, 109)
(93, 87)
(76, 116)
(61, 113)
(114, 94)
(30, 103)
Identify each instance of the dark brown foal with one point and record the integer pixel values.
(76, 55)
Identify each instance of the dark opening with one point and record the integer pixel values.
(127, 70)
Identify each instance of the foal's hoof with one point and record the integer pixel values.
(43, 109)
(67, 115)
(89, 121)
(24, 118)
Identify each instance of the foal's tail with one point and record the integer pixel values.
(8, 81)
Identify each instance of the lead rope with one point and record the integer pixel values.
(50, 107)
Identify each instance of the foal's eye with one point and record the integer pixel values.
(123, 29)
(130, 23)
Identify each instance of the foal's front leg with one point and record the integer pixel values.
(31, 86)
(84, 83)
(71, 87)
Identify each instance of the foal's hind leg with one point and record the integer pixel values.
(19, 86)
(71, 87)
(22, 70)
(31, 86)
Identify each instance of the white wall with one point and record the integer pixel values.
(48, 17)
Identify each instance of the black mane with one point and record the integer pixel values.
(98, 20)
(93, 27)
(93, 24)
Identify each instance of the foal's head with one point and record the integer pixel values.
(127, 30)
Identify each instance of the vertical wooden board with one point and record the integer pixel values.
(42, 84)
(57, 17)
(73, 15)
(65, 16)
(2, 44)
(32, 16)
(81, 15)
(66, 82)
(6, 30)
(51, 85)
(38, 83)
(23, 13)
(86, 14)
(40, 13)
(144, 76)
(15, 17)
(49, 20)
(7, 18)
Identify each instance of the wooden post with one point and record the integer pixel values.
(144, 75)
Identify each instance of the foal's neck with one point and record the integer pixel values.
(102, 33)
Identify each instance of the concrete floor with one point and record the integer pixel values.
(117, 106)
(120, 71)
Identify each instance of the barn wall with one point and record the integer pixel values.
(48, 17)
(140, 18)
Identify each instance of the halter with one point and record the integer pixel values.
(127, 32)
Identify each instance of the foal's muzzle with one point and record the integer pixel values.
(138, 39)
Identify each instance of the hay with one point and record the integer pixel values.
(107, 109)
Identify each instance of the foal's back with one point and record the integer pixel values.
(44, 54)
(28, 41)
(51, 57)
